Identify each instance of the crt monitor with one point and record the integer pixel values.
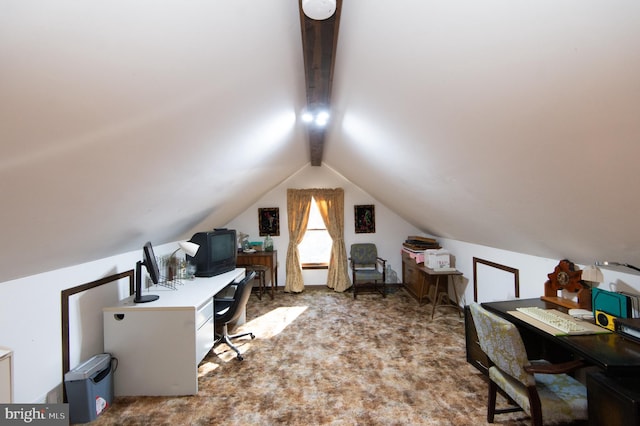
(217, 253)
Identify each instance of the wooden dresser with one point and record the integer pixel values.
(413, 279)
(420, 280)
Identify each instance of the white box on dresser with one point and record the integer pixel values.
(160, 344)
(437, 259)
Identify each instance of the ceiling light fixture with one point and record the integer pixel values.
(319, 9)
(318, 116)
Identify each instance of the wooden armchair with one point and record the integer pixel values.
(367, 269)
(544, 391)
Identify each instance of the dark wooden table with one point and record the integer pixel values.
(266, 258)
(611, 352)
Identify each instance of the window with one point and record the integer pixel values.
(315, 248)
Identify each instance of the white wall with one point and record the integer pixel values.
(30, 314)
(533, 272)
(391, 230)
(30, 322)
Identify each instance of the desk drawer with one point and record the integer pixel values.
(204, 314)
(205, 330)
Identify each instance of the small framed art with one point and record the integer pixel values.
(269, 221)
(365, 219)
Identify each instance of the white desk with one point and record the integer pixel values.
(159, 344)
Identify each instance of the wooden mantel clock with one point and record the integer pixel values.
(567, 277)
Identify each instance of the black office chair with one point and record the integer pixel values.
(228, 310)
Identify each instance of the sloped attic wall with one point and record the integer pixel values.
(506, 124)
(38, 378)
(391, 229)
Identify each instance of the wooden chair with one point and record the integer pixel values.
(542, 390)
(262, 274)
(367, 269)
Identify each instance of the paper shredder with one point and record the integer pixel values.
(89, 388)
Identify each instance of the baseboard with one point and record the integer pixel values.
(321, 286)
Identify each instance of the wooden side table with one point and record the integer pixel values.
(262, 274)
(440, 298)
(267, 258)
(424, 284)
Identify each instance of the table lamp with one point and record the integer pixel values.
(188, 247)
(592, 274)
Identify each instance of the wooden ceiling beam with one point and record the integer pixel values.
(319, 41)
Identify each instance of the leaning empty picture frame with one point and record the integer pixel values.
(81, 316)
(493, 281)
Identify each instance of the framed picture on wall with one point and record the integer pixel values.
(269, 221)
(365, 219)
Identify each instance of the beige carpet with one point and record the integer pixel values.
(323, 358)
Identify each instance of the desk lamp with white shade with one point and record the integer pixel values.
(189, 248)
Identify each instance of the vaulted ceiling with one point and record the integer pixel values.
(508, 124)
(319, 42)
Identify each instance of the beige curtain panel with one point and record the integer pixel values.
(298, 206)
(331, 205)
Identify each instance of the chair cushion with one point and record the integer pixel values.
(364, 253)
(501, 341)
(368, 275)
(364, 266)
(563, 398)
